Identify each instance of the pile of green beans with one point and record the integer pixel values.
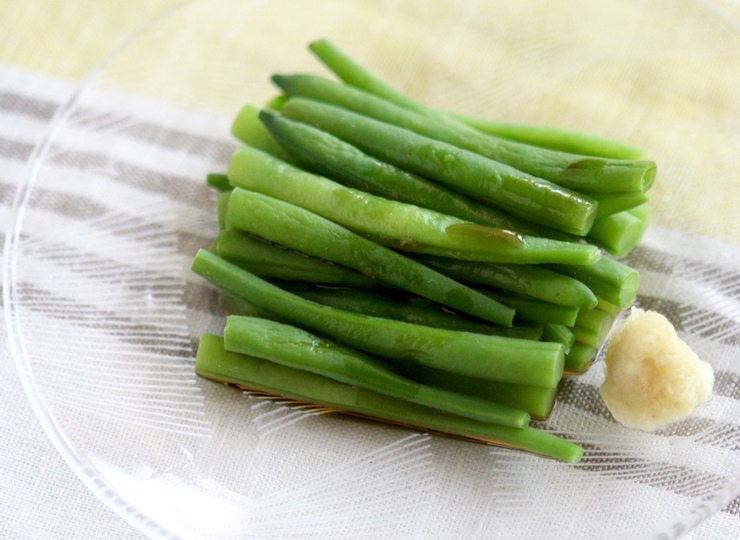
(385, 259)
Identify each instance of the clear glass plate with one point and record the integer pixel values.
(104, 315)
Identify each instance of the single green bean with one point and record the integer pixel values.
(596, 320)
(230, 304)
(344, 67)
(273, 261)
(489, 181)
(609, 279)
(559, 333)
(359, 301)
(586, 336)
(296, 348)
(399, 225)
(527, 280)
(535, 311)
(619, 233)
(556, 138)
(414, 310)
(304, 231)
(579, 358)
(577, 172)
(222, 208)
(218, 181)
(612, 309)
(489, 357)
(248, 128)
(537, 401)
(612, 203)
(214, 362)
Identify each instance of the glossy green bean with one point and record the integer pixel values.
(248, 128)
(559, 333)
(579, 358)
(273, 261)
(556, 138)
(414, 310)
(530, 281)
(619, 233)
(609, 279)
(531, 310)
(537, 401)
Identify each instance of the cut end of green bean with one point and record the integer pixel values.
(635, 175)
(276, 103)
(218, 181)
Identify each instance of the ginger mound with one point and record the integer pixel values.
(653, 378)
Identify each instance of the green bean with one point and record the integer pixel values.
(612, 309)
(374, 305)
(304, 231)
(535, 400)
(489, 181)
(535, 311)
(354, 74)
(559, 333)
(230, 304)
(273, 261)
(530, 281)
(214, 362)
(609, 279)
(296, 348)
(593, 337)
(556, 138)
(393, 223)
(612, 203)
(248, 128)
(222, 207)
(619, 233)
(581, 173)
(276, 103)
(549, 137)
(488, 357)
(218, 181)
(579, 358)
(598, 321)
(414, 310)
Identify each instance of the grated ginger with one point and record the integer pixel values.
(653, 378)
